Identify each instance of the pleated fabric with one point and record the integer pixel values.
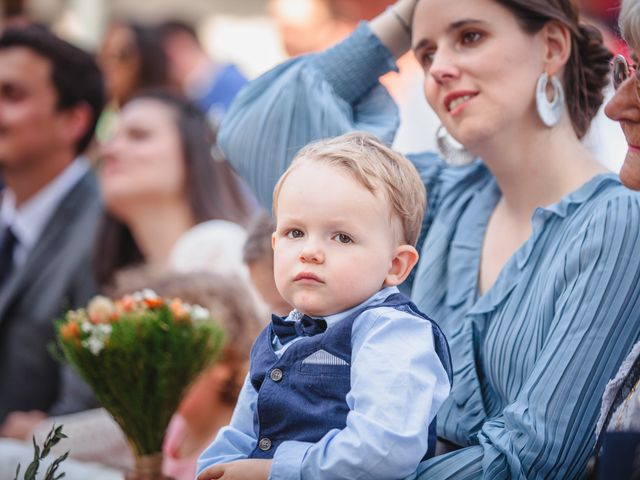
(532, 355)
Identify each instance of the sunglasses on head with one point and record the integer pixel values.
(622, 70)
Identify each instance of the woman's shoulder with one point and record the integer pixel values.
(602, 197)
(448, 180)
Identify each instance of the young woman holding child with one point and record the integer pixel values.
(527, 253)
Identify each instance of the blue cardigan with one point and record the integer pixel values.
(531, 356)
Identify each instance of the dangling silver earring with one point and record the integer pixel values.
(452, 152)
(550, 111)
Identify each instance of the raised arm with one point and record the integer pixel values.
(313, 97)
(548, 431)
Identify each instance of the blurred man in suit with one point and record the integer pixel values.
(51, 94)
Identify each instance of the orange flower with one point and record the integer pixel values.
(153, 302)
(70, 331)
(125, 304)
(178, 310)
(100, 309)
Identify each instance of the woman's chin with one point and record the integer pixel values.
(630, 171)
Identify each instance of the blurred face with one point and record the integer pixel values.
(118, 60)
(480, 67)
(334, 241)
(624, 107)
(261, 272)
(31, 129)
(143, 163)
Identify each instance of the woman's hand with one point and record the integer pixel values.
(250, 469)
(393, 26)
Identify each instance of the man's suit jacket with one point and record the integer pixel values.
(56, 276)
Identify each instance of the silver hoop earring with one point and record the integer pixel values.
(452, 152)
(550, 111)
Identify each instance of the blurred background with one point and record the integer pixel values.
(245, 32)
(255, 35)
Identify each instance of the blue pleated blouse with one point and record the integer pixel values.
(532, 355)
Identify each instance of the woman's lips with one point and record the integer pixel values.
(634, 148)
(455, 102)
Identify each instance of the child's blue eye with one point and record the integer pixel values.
(295, 233)
(343, 238)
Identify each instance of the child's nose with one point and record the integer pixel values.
(312, 252)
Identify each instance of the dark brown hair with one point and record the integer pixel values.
(68, 65)
(211, 186)
(587, 70)
(150, 59)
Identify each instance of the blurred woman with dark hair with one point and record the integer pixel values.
(161, 175)
(132, 58)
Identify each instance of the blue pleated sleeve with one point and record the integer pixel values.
(308, 98)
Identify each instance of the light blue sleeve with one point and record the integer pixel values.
(549, 430)
(308, 98)
(237, 440)
(397, 386)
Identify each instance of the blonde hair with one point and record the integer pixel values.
(629, 22)
(377, 168)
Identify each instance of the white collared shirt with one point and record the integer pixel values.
(28, 220)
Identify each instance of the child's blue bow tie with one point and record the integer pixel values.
(287, 330)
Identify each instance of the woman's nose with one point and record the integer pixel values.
(625, 104)
(443, 67)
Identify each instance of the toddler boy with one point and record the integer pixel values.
(348, 384)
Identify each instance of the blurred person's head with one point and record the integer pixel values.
(161, 158)
(132, 58)
(308, 25)
(47, 115)
(258, 256)
(624, 107)
(183, 50)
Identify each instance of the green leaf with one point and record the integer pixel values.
(32, 469)
(53, 437)
(54, 466)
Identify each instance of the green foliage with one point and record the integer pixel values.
(144, 368)
(54, 436)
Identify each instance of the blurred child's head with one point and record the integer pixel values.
(348, 214)
(258, 256)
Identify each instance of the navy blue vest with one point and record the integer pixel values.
(302, 395)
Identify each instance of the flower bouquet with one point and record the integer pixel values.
(139, 354)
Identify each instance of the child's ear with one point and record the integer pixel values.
(404, 259)
(273, 241)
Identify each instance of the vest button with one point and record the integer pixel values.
(264, 444)
(276, 374)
